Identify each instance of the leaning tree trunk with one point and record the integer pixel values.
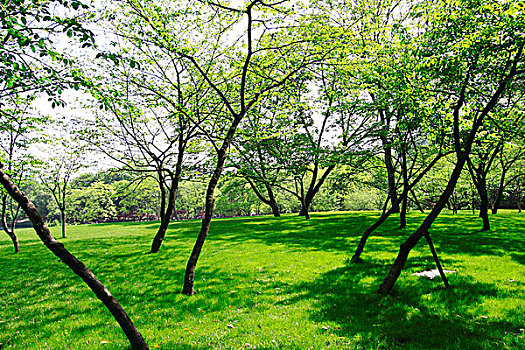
(416, 201)
(10, 231)
(167, 211)
(164, 222)
(272, 202)
(102, 293)
(189, 275)
(411, 242)
(362, 242)
(275, 208)
(461, 156)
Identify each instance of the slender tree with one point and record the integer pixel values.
(18, 128)
(58, 175)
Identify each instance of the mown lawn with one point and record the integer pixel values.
(271, 283)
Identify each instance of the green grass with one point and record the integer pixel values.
(271, 283)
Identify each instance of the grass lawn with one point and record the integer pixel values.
(271, 283)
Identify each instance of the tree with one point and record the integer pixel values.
(252, 156)
(134, 336)
(58, 175)
(18, 126)
(93, 203)
(485, 155)
(27, 28)
(471, 75)
(261, 59)
(154, 107)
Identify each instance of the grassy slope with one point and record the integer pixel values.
(271, 283)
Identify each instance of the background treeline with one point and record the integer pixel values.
(115, 195)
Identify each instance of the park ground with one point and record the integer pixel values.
(271, 283)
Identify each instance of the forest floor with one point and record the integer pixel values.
(271, 283)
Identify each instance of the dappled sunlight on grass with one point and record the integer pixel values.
(272, 283)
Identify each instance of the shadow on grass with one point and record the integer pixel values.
(423, 316)
(327, 232)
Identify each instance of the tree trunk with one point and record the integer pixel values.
(275, 209)
(16, 245)
(478, 176)
(312, 191)
(483, 213)
(499, 194)
(166, 214)
(10, 232)
(63, 221)
(484, 204)
(270, 201)
(411, 242)
(403, 213)
(391, 173)
(304, 210)
(102, 293)
(164, 221)
(189, 275)
(414, 198)
(360, 247)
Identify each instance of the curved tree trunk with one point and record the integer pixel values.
(270, 201)
(102, 293)
(5, 226)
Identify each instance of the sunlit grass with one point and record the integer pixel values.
(271, 283)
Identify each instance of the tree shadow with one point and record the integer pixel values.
(419, 314)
